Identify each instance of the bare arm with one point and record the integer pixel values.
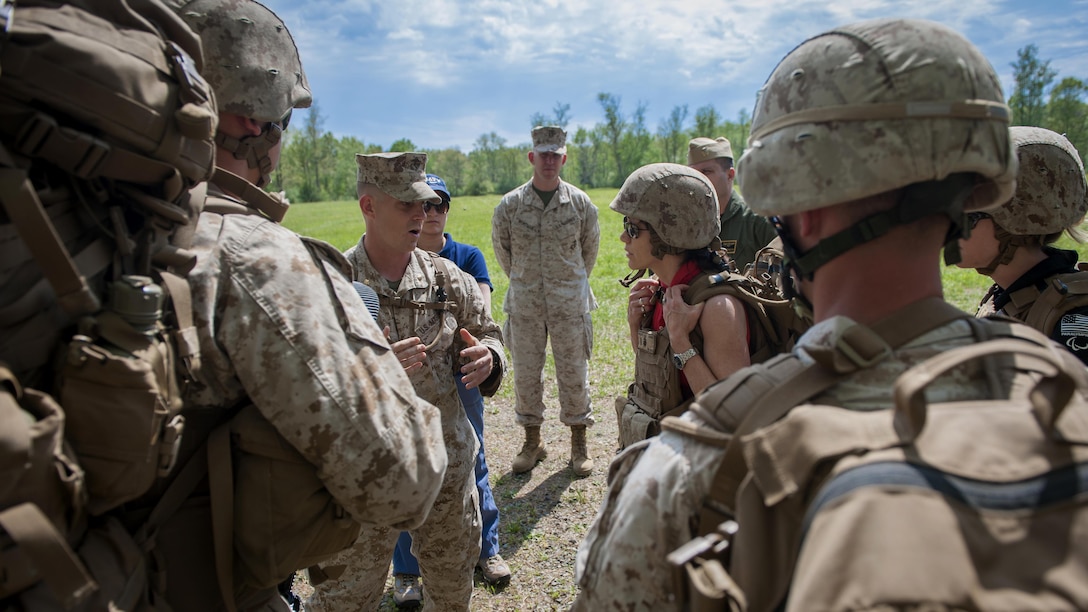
(724, 326)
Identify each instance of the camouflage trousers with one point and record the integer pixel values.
(447, 546)
(572, 345)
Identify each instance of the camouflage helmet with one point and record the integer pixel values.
(1051, 192)
(250, 58)
(677, 201)
(872, 107)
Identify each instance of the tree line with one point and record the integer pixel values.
(316, 165)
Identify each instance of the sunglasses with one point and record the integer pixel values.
(442, 207)
(632, 229)
(974, 217)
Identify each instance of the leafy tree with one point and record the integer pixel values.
(586, 158)
(402, 145)
(1067, 113)
(560, 117)
(1032, 76)
(707, 121)
(671, 135)
(452, 165)
(613, 129)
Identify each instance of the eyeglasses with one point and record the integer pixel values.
(974, 217)
(442, 207)
(632, 229)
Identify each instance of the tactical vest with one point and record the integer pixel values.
(1043, 309)
(807, 495)
(773, 328)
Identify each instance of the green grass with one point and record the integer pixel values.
(341, 224)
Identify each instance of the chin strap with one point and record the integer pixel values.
(254, 149)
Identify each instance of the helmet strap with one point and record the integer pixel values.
(1006, 248)
(254, 149)
(916, 201)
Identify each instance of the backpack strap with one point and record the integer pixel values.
(858, 348)
(221, 484)
(41, 554)
(24, 208)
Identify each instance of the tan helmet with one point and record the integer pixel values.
(872, 107)
(253, 66)
(1051, 192)
(676, 201)
(250, 58)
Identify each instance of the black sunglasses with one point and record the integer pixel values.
(442, 207)
(632, 229)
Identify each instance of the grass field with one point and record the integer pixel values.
(545, 513)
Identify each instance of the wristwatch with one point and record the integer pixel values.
(681, 359)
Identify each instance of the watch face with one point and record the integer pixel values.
(678, 362)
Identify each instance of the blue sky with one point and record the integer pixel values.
(443, 72)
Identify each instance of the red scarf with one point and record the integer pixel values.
(687, 273)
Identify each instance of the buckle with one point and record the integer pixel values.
(96, 153)
(34, 134)
(191, 86)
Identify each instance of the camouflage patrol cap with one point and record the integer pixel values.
(400, 175)
(549, 139)
(1051, 193)
(872, 107)
(705, 149)
(250, 58)
(678, 202)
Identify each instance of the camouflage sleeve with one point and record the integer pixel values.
(655, 491)
(310, 357)
(500, 234)
(591, 237)
(474, 316)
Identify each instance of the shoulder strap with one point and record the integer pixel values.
(858, 348)
(25, 210)
(442, 279)
(255, 198)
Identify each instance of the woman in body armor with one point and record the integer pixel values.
(681, 345)
(1035, 282)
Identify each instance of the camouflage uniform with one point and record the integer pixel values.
(657, 487)
(548, 252)
(447, 544)
(743, 232)
(318, 369)
(835, 123)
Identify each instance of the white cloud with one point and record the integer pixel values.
(491, 63)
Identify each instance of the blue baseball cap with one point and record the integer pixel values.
(439, 186)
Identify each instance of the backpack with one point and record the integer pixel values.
(807, 496)
(773, 323)
(105, 129)
(1042, 310)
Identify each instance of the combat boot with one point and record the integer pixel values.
(579, 456)
(532, 451)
